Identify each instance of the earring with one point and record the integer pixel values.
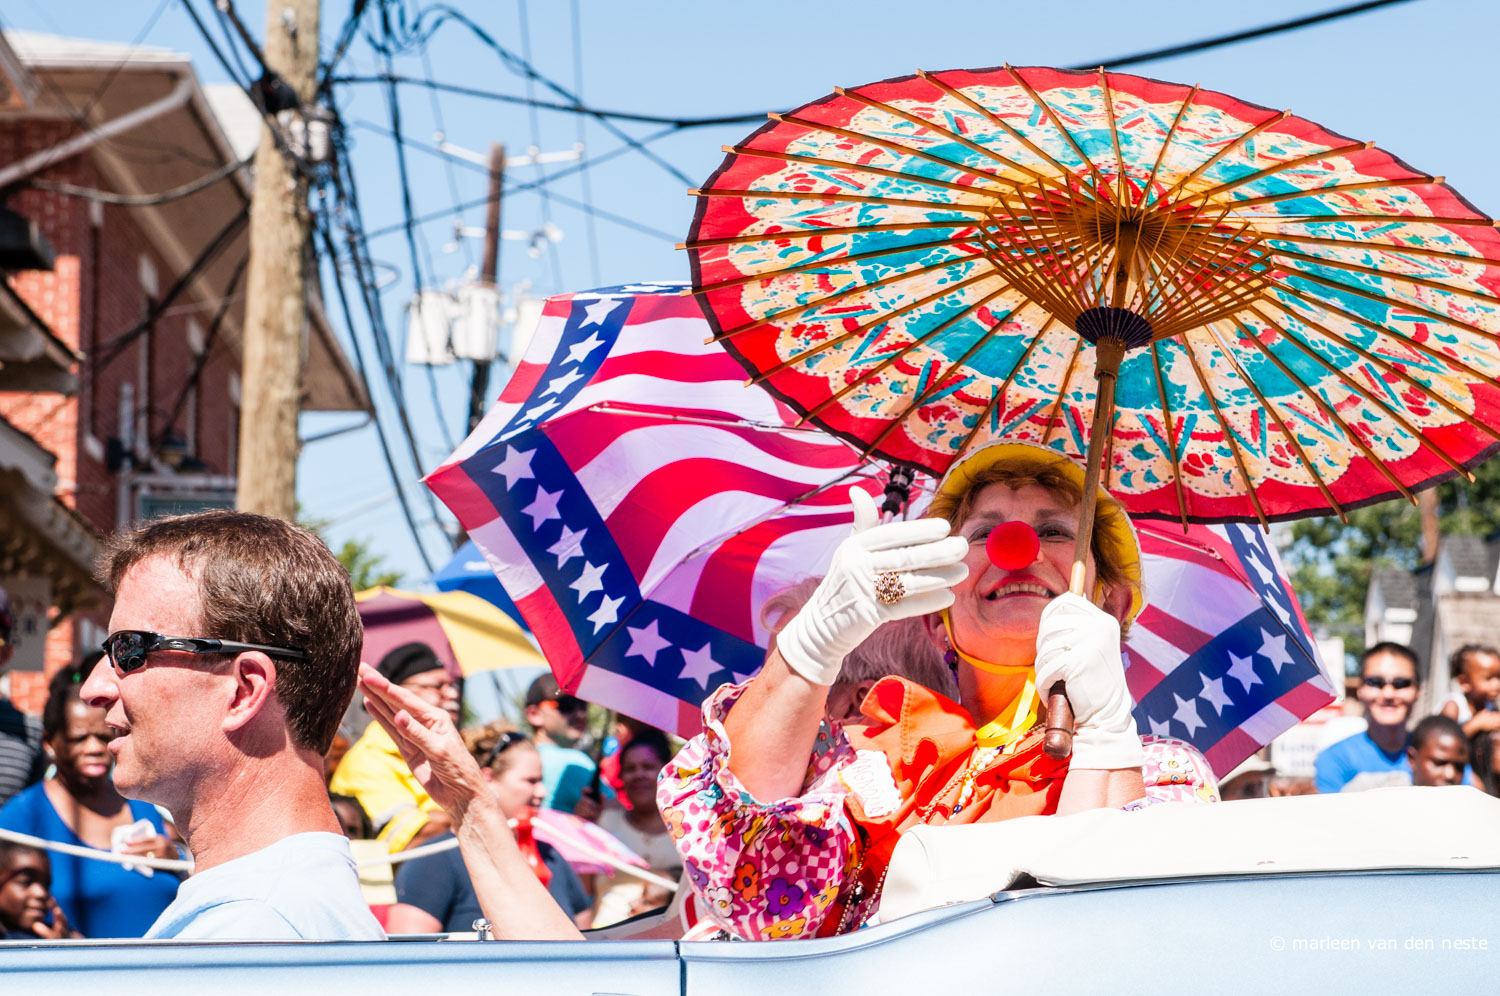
(950, 658)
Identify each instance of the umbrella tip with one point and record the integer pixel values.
(775, 116)
(694, 192)
(729, 148)
(679, 245)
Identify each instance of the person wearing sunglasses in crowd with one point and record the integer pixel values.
(374, 773)
(559, 721)
(1376, 757)
(435, 893)
(233, 652)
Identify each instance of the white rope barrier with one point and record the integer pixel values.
(186, 867)
(162, 864)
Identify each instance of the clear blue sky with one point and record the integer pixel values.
(1417, 78)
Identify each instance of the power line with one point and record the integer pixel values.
(213, 46)
(201, 361)
(551, 105)
(141, 200)
(109, 350)
(359, 360)
(519, 188)
(576, 106)
(536, 145)
(348, 199)
(1239, 36)
(583, 176)
(234, 51)
(419, 33)
(393, 101)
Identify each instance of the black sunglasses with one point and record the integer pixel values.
(503, 743)
(1397, 683)
(127, 648)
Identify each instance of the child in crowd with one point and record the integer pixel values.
(1476, 672)
(1484, 752)
(27, 910)
(353, 819)
(1438, 752)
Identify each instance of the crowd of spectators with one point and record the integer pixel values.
(55, 784)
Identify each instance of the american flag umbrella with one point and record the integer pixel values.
(640, 553)
(1249, 316)
(639, 505)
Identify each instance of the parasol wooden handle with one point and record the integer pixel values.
(1057, 741)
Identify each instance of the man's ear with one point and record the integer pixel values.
(254, 676)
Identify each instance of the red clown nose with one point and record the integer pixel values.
(1012, 545)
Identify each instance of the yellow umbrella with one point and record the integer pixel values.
(468, 634)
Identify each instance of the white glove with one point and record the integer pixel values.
(844, 609)
(1079, 643)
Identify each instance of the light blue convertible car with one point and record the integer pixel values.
(1396, 890)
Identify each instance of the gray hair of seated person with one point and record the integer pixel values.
(899, 648)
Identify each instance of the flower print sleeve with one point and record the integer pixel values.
(1175, 771)
(764, 869)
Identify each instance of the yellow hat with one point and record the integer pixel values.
(1116, 533)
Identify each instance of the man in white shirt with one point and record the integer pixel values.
(233, 652)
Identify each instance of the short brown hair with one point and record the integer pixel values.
(495, 744)
(1048, 474)
(263, 580)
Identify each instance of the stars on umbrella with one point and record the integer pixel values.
(1273, 649)
(557, 385)
(596, 312)
(607, 614)
(590, 581)
(1242, 669)
(1159, 728)
(580, 351)
(540, 409)
(543, 508)
(568, 545)
(1266, 574)
(1213, 692)
(1187, 714)
(646, 641)
(515, 467)
(699, 665)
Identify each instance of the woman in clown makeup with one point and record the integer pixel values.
(827, 806)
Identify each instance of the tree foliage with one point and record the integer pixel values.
(1331, 562)
(365, 566)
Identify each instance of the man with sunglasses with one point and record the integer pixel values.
(233, 651)
(560, 721)
(1376, 757)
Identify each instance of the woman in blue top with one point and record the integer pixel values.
(79, 805)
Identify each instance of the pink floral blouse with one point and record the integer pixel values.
(813, 864)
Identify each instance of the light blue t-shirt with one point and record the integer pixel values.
(566, 773)
(1356, 763)
(303, 887)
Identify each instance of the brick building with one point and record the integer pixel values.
(150, 297)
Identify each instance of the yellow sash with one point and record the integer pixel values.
(1016, 719)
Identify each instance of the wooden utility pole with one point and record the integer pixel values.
(489, 273)
(276, 306)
